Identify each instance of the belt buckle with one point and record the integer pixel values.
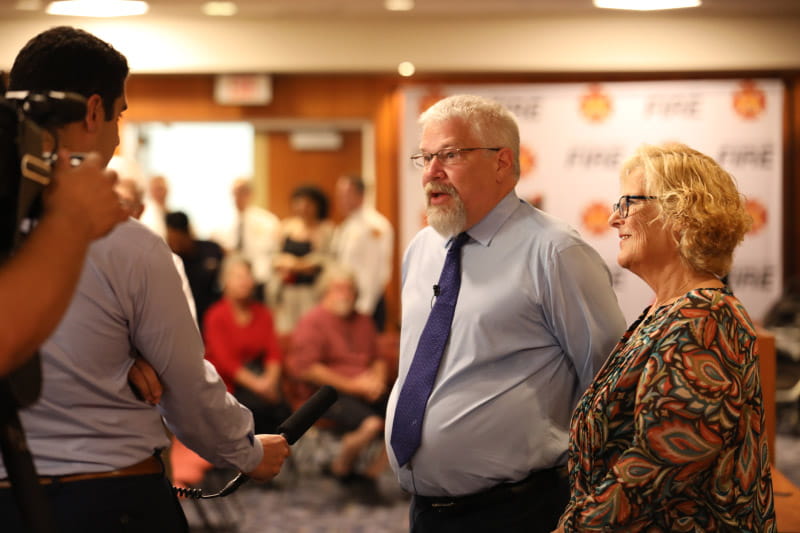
(443, 504)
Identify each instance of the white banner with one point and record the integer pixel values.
(576, 136)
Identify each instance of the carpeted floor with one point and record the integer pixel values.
(310, 504)
(302, 500)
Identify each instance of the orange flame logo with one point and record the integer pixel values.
(749, 101)
(596, 105)
(595, 218)
(527, 160)
(759, 213)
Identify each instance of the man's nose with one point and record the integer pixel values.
(434, 170)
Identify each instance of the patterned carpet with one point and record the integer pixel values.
(311, 504)
(302, 500)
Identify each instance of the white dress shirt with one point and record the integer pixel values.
(364, 243)
(154, 217)
(259, 231)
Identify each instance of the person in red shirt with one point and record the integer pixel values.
(241, 343)
(334, 345)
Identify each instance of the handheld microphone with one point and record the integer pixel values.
(291, 429)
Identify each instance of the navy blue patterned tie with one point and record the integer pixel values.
(410, 409)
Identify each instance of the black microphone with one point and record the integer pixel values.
(293, 427)
(436, 290)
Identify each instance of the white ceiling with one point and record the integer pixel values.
(439, 36)
(438, 8)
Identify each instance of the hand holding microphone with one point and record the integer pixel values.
(276, 447)
(276, 450)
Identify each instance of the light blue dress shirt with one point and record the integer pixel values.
(88, 419)
(536, 318)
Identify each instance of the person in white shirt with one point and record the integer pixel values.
(364, 244)
(155, 206)
(254, 234)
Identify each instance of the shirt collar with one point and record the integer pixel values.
(485, 230)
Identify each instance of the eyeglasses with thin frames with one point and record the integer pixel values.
(447, 156)
(623, 206)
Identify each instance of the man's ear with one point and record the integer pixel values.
(94, 112)
(505, 162)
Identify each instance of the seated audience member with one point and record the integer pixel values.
(241, 343)
(201, 260)
(305, 248)
(335, 345)
(670, 436)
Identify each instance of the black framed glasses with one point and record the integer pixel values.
(447, 156)
(623, 206)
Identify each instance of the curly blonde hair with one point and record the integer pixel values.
(696, 198)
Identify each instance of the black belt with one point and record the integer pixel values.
(546, 480)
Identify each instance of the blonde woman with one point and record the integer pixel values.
(670, 436)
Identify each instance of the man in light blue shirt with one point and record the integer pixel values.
(92, 440)
(535, 318)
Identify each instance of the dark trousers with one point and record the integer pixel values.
(530, 506)
(379, 315)
(133, 504)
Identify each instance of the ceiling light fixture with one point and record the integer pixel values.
(406, 69)
(220, 9)
(646, 5)
(98, 8)
(398, 5)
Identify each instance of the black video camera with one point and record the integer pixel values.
(25, 118)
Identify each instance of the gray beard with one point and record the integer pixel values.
(448, 221)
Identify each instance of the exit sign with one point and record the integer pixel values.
(243, 89)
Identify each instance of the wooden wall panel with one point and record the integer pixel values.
(289, 168)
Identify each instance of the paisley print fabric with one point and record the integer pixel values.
(670, 436)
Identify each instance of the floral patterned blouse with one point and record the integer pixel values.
(670, 435)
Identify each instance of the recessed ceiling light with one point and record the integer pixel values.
(406, 69)
(646, 5)
(98, 8)
(220, 9)
(398, 5)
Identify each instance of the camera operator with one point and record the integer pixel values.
(80, 206)
(94, 444)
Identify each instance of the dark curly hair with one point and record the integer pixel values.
(317, 197)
